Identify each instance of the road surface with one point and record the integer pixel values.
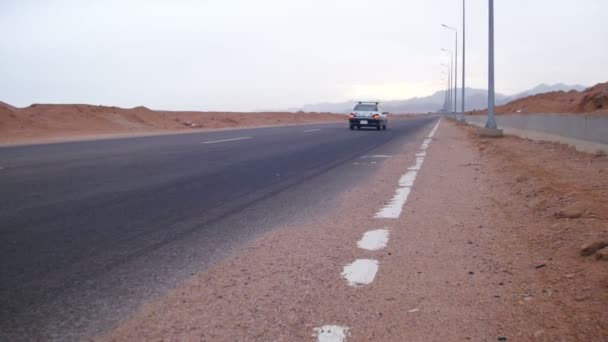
(91, 230)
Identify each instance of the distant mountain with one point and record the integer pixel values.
(475, 99)
(546, 88)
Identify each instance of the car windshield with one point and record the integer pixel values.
(366, 108)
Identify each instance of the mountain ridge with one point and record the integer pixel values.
(476, 99)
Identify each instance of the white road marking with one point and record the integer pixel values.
(374, 240)
(432, 134)
(360, 272)
(418, 165)
(426, 143)
(376, 156)
(394, 208)
(312, 130)
(225, 140)
(408, 178)
(331, 333)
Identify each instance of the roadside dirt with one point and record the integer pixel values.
(556, 201)
(59, 122)
(484, 251)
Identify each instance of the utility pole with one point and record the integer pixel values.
(455, 66)
(491, 115)
(447, 102)
(462, 101)
(452, 81)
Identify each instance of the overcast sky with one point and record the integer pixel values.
(273, 54)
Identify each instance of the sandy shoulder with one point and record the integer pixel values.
(470, 259)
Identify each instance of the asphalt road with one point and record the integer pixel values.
(91, 230)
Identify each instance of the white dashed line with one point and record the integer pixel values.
(312, 130)
(363, 271)
(225, 140)
(374, 240)
(331, 333)
(375, 156)
(432, 134)
(418, 165)
(394, 208)
(408, 179)
(360, 272)
(425, 144)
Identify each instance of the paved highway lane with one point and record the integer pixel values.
(90, 230)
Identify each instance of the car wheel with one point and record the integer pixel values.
(359, 127)
(379, 127)
(384, 128)
(352, 127)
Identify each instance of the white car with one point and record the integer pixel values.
(368, 114)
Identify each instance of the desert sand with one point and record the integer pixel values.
(61, 122)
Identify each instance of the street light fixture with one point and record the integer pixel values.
(455, 65)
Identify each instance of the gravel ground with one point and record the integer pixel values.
(481, 252)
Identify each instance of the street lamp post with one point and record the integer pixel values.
(447, 100)
(452, 81)
(455, 65)
(464, 37)
(491, 116)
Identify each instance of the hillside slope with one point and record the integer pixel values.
(590, 100)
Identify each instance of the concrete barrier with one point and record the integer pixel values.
(588, 133)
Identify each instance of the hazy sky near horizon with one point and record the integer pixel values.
(276, 54)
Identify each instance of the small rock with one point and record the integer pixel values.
(502, 338)
(602, 254)
(540, 265)
(572, 212)
(591, 248)
(521, 179)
